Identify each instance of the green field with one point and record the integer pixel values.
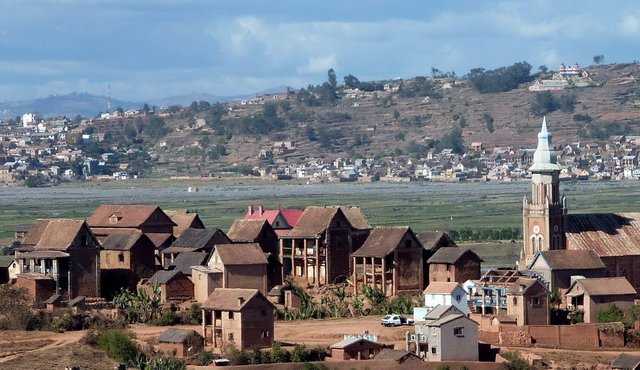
(430, 206)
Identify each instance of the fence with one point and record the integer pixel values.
(581, 336)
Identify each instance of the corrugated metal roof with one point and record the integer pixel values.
(607, 234)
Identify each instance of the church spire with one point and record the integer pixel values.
(544, 159)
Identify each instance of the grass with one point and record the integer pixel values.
(428, 206)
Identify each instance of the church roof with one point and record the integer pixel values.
(607, 234)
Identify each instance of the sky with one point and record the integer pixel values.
(149, 49)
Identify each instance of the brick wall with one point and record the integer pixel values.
(582, 336)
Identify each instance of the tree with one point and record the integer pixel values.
(331, 78)
(543, 69)
(598, 59)
(543, 103)
(130, 131)
(156, 128)
(453, 140)
(145, 109)
(488, 122)
(351, 81)
(500, 79)
(396, 115)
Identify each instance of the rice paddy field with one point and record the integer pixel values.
(423, 206)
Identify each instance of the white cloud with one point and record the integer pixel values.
(630, 24)
(318, 65)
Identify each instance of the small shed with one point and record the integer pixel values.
(174, 285)
(356, 348)
(180, 342)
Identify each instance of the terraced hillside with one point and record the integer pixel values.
(390, 124)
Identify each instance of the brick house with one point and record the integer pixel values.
(317, 250)
(65, 251)
(391, 260)
(595, 294)
(242, 265)
(240, 317)
(125, 258)
(432, 241)
(261, 232)
(510, 296)
(454, 264)
(281, 219)
(356, 348)
(193, 240)
(557, 266)
(181, 343)
(148, 219)
(175, 287)
(184, 220)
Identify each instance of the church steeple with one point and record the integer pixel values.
(544, 159)
(543, 214)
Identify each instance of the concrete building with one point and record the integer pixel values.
(446, 334)
(240, 317)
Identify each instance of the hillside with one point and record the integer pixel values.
(389, 124)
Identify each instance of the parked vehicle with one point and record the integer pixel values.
(396, 320)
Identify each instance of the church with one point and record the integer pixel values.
(547, 224)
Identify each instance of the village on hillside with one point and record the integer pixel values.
(296, 135)
(320, 285)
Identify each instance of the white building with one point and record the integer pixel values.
(29, 119)
(442, 293)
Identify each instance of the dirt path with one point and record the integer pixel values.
(327, 332)
(49, 339)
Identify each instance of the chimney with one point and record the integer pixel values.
(240, 301)
(260, 210)
(250, 209)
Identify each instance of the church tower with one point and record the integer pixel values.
(543, 213)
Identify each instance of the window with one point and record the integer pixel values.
(265, 334)
(407, 243)
(458, 332)
(230, 315)
(458, 297)
(433, 350)
(121, 257)
(536, 301)
(263, 312)
(230, 337)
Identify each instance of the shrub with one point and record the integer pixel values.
(15, 313)
(166, 363)
(204, 358)
(118, 345)
(236, 356)
(195, 314)
(515, 361)
(168, 318)
(278, 354)
(611, 314)
(63, 323)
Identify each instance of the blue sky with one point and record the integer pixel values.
(147, 49)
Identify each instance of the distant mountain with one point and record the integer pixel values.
(89, 105)
(63, 105)
(187, 99)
